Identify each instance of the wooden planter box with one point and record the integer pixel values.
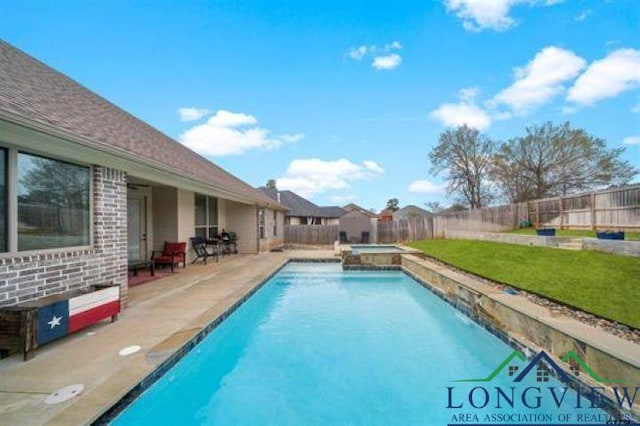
(27, 326)
(610, 235)
(546, 232)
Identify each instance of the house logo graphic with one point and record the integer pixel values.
(521, 391)
(544, 365)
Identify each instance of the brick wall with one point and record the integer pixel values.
(24, 278)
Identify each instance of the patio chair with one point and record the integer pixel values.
(343, 237)
(364, 238)
(199, 246)
(172, 254)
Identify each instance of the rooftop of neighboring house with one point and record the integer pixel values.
(411, 211)
(354, 207)
(35, 95)
(301, 207)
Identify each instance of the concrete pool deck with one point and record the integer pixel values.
(160, 317)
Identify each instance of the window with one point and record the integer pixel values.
(3, 200)
(261, 223)
(53, 203)
(275, 223)
(206, 216)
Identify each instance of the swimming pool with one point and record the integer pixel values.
(316, 345)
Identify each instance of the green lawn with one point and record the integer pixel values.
(603, 284)
(575, 233)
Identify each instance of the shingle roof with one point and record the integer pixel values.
(411, 211)
(33, 91)
(351, 207)
(299, 206)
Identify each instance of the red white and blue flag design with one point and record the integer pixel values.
(70, 315)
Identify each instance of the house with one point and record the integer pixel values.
(411, 212)
(85, 187)
(351, 207)
(386, 215)
(302, 211)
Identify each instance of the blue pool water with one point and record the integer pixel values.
(316, 345)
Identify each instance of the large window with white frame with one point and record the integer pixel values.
(53, 203)
(45, 203)
(206, 219)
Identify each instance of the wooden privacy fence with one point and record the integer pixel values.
(312, 235)
(419, 228)
(487, 219)
(614, 209)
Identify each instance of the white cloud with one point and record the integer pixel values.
(191, 114)
(358, 53)
(605, 78)
(540, 80)
(478, 15)
(631, 140)
(464, 112)
(231, 133)
(425, 187)
(383, 57)
(308, 177)
(388, 62)
(582, 15)
(373, 166)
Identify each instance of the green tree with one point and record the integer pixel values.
(271, 184)
(557, 160)
(465, 156)
(392, 204)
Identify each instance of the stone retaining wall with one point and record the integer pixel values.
(620, 247)
(532, 325)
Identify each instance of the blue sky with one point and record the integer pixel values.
(342, 100)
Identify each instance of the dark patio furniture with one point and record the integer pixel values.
(610, 235)
(546, 232)
(137, 264)
(229, 244)
(199, 246)
(172, 254)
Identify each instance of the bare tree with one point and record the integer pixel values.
(557, 160)
(465, 155)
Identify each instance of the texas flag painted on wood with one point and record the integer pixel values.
(70, 315)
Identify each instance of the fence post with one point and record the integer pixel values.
(593, 211)
(561, 210)
(537, 214)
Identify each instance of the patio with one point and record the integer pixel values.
(160, 317)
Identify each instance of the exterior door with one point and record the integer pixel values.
(137, 227)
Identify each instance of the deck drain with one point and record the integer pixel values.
(64, 394)
(129, 350)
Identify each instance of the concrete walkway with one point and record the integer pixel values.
(160, 317)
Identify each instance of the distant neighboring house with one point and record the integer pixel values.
(385, 215)
(85, 188)
(354, 207)
(302, 211)
(410, 212)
